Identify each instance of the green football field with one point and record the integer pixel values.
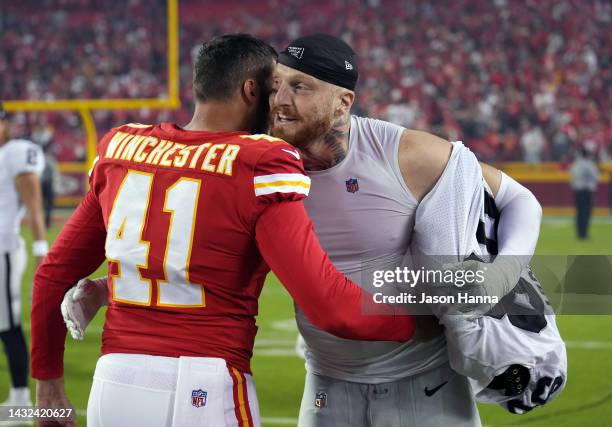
(279, 374)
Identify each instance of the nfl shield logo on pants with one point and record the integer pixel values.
(198, 398)
(352, 186)
(321, 400)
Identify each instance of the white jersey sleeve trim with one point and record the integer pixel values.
(281, 183)
(281, 189)
(297, 177)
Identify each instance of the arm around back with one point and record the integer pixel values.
(287, 241)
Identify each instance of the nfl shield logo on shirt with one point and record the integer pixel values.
(352, 186)
(198, 398)
(321, 399)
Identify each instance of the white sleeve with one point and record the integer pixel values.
(519, 222)
(26, 157)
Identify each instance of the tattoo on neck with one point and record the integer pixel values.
(331, 148)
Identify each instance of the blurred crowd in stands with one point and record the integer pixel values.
(517, 80)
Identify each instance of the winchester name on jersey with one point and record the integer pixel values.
(174, 212)
(190, 185)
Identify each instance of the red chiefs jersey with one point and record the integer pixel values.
(206, 296)
(183, 218)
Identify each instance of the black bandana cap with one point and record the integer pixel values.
(324, 57)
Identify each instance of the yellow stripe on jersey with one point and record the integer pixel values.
(282, 177)
(281, 183)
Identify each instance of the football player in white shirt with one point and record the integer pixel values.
(369, 178)
(21, 164)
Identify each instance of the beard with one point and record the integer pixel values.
(260, 123)
(305, 130)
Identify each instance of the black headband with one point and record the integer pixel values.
(324, 57)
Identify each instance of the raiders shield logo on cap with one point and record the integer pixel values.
(296, 51)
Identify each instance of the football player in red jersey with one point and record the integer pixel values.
(190, 220)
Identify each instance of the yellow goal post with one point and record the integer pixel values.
(85, 106)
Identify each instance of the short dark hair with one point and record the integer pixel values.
(224, 63)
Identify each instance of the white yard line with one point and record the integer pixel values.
(279, 421)
(276, 352)
(285, 325)
(590, 345)
(272, 342)
(564, 220)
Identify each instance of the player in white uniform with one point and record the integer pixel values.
(21, 164)
(368, 178)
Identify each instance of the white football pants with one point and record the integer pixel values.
(133, 390)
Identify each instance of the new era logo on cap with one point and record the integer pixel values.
(296, 51)
(348, 65)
